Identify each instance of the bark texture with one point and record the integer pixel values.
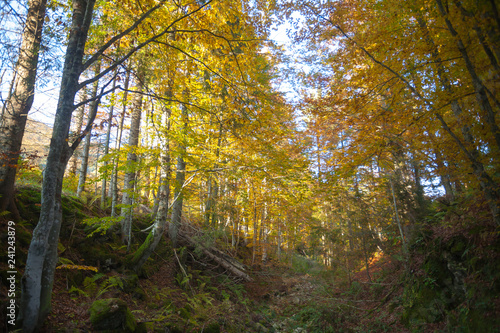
(13, 122)
(114, 176)
(86, 149)
(160, 221)
(38, 278)
(130, 175)
(180, 177)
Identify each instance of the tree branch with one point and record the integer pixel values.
(103, 48)
(140, 46)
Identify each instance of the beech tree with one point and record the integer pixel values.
(38, 277)
(18, 105)
(131, 163)
(388, 72)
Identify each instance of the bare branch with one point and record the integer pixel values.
(93, 114)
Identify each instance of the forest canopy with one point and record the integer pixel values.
(175, 112)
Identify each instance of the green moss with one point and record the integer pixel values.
(28, 199)
(112, 315)
(140, 252)
(212, 328)
(130, 283)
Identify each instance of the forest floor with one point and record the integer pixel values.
(181, 291)
(278, 299)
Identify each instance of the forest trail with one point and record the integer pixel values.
(298, 290)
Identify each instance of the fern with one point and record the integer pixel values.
(101, 224)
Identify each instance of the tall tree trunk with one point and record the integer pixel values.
(255, 225)
(131, 171)
(86, 149)
(149, 245)
(78, 121)
(106, 147)
(38, 278)
(175, 220)
(114, 176)
(13, 121)
(180, 177)
(398, 221)
(156, 203)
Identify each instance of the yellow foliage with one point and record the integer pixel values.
(78, 267)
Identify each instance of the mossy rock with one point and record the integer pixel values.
(112, 315)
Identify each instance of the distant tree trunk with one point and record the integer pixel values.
(365, 249)
(210, 207)
(131, 172)
(398, 221)
(175, 220)
(86, 149)
(78, 117)
(11, 88)
(13, 121)
(106, 147)
(84, 164)
(149, 245)
(180, 177)
(147, 170)
(279, 240)
(114, 176)
(211, 217)
(156, 204)
(38, 278)
(263, 230)
(255, 225)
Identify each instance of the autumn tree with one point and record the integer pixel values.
(396, 72)
(42, 256)
(13, 121)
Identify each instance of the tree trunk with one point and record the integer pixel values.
(398, 221)
(149, 245)
(86, 149)
(37, 282)
(77, 130)
(130, 174)
(180, 177)
(106, 147)
(175, 220)
(13, 121)
(118, 143)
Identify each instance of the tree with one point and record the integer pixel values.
(86, 149)
(375, 66)
(13, 121)
(160, 221)
(131, 163)
(42, 255)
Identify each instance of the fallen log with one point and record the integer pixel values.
(230, 264)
